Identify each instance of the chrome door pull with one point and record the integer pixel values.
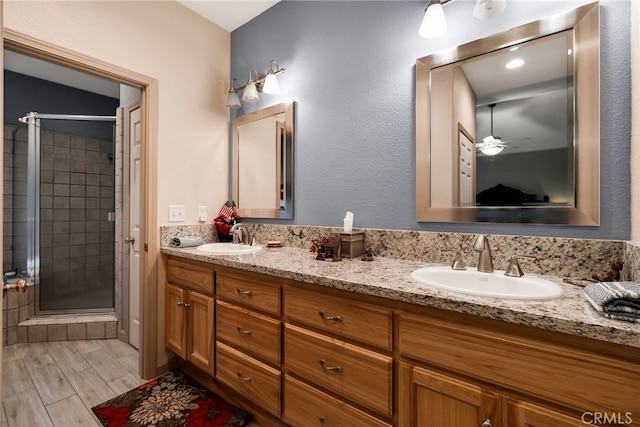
(330, 368)
(334, 318)
(130, 239)
(243, 293)
(243, 331)
(486, 423)
(243, 378)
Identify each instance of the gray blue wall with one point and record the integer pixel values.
(350, 69)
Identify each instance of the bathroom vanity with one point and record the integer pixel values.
(309, 343)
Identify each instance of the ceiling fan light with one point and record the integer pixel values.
(485, 9)
(491, 150)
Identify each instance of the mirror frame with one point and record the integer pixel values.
(288, 109)
(585, 21)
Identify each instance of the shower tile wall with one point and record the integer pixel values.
(76, 238)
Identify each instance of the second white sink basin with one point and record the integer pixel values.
(228, 249)
(495, 285)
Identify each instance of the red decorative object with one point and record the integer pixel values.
(171, 400)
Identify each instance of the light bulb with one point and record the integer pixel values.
(271, 85)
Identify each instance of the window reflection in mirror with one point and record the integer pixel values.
(263, 162)
(503, 144)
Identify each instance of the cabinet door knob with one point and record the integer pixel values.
(486, 423)
(243, 378)
(321, 419)
(243, 293)
(186, 305)
(243, 331)
(333, 368)
(180, 303)
(334, 318)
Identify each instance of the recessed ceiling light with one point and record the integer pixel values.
(514, 63)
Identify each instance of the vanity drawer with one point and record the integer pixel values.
(254, 333)
(249, 377)
(249, 292)
(361, 375)
(550, 371)
(190, 274)
(360, 321)
(304, 406)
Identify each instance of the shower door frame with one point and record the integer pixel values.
(151, 266)
(33, 119)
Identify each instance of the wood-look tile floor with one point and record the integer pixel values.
(57, 383)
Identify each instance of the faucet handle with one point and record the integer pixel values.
(513, 269)
(458, 262)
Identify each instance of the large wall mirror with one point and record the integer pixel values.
(508, 127)
(263, 162)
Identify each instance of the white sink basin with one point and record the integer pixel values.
(495, 285)
(228, 249)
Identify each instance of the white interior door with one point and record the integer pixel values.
(135, 176)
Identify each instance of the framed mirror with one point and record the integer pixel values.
(508, 127)
(263, 162)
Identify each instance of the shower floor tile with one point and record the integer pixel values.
(32, 375)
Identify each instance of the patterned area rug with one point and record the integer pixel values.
(170, 400)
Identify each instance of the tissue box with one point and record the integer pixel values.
(351, 244)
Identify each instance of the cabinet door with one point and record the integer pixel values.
(442, 401)
(175, 323)
(523, 414)
(201, 331)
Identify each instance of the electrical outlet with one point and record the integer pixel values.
(176, 213)
(202, 213)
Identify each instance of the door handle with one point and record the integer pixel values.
(130, 239)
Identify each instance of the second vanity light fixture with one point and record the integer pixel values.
(434, 23)
(265, 83)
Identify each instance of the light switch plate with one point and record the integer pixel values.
(202, 213)
(176, 213)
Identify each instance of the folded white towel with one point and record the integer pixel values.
(616, 300)
(186, 242)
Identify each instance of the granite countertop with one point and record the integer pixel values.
(391, 278)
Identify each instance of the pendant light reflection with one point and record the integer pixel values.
(434, 23)
(250, 93)
(232, 97)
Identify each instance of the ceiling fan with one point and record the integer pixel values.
(493, 144)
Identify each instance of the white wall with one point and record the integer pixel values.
(188, 55)
(635, 122)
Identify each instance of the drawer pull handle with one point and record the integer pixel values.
(486, 423)
(330, 368)
(243, 378)
(243, 331)
(243, 293)
(321, 419)
(334, 318)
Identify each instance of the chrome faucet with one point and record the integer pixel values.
(481, 245)
(240, 235)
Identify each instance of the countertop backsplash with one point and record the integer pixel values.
(561, 257)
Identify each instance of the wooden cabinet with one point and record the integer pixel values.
(248, 334)
(353, 373)
(294, 353)
(189, 326)
(555, 383)
(442, 401)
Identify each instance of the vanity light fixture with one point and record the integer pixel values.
(434, 23)
(265, 83)
(250, 90)
(232, 97)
